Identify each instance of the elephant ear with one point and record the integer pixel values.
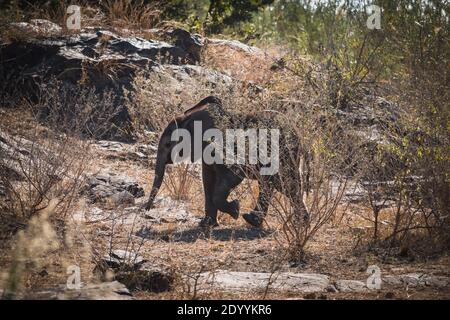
(203, 104)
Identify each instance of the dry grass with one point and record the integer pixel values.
(130, 14)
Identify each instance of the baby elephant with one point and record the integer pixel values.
(221, 177)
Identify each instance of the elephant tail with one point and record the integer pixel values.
(203, 103)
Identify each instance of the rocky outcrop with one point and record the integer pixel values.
(233, 281)
(99, 60)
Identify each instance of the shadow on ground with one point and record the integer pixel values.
(192, 234)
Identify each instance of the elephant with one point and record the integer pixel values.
(220, 179)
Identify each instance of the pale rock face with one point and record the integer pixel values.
(103, 291)
(351, 286)
(37, 27)
(232, 281)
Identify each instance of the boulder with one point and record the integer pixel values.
(234, 281)
(190, 43)
(416, 280)
(122, 198)
(120, 190)
(123, 260)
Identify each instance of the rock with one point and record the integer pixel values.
(186, 73)
(437, 281)
(167, 210)
(350, 286)
(235, 45)
(123, 260)
(181, 78)
(191, 43)
(102, 291)
(118, 261)
(36, 27)
(3, 191)
(332, 289)
(146, 280)
(110, 146)
(101, 60)
(169, 215)
(67, 56)
(391, 280)
(125, 151)
(122, 198)
(412, 279)
(416, 280)
(232, 281)
(121, 189)
(106, 63)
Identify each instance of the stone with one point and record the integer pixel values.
(437, 281)
(125, 151)
(146, 280)
(232, 281)
(416, 280)
(122, 198)
(167, 210)
(123, 260)
(235, 45)
(36, 27)
(413, 279)
(102, 291)
(119, 189)
(191, 43)
(169, 215)
(391, 280)
(350, 286)
(331, 288)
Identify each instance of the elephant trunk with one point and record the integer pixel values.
(159, 176)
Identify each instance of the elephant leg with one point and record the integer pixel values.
(208, 175)
(256, 217)
(226, 181)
